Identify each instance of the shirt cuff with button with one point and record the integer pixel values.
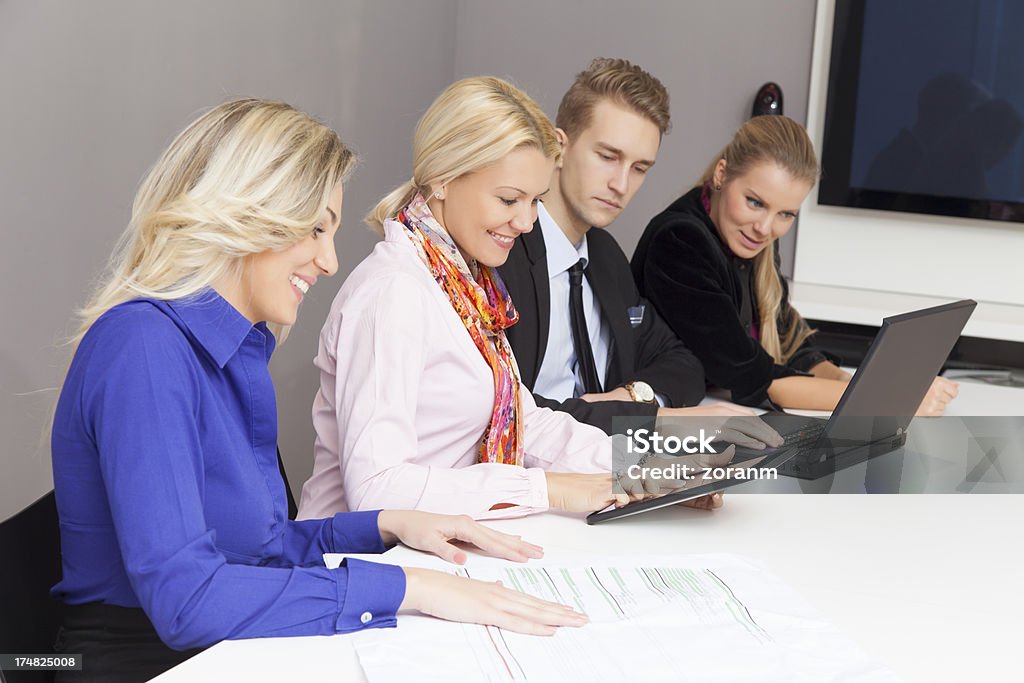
(371, 596)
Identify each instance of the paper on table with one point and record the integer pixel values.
(658, 618)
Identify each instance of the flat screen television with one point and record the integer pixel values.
(923, 110)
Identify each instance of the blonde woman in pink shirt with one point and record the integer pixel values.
(420, 404)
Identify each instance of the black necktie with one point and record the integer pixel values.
(580, 335)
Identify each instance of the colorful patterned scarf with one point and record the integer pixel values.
(486, 310)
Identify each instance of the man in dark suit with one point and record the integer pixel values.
(586, 342)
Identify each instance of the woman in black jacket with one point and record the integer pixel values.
(709, 265)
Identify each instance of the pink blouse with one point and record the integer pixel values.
(405, 397)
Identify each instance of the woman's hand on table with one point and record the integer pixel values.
(438, 534)
(457, 598)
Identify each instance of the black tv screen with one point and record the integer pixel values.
(923, 110)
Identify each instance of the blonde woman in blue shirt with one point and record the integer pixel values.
(173, 520)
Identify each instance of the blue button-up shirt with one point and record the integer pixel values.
(165, 473)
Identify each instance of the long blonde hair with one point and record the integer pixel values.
(247, 176)
(782, 141)
(474, 123)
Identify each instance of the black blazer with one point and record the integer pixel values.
(650, 352)
(704, 293)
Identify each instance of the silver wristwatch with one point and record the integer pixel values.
(640, 392)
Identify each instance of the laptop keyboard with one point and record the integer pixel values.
(805, 436)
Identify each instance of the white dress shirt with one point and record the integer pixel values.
(559, 377)
(405, 397)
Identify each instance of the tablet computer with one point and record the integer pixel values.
(747, 464)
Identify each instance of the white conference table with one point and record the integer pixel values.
(930, 585)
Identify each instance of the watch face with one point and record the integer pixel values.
(643, 391)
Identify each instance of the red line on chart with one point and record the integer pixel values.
(495, 645)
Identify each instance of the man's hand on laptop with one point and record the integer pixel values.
(743, 429)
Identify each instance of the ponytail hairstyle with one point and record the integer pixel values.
(784, 142)
(474, 123)
(247, 176)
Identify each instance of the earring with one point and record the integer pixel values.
(437, 195)
(718, 188)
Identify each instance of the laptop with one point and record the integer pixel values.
(871, 418)
(875, 411)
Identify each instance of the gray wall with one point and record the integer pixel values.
(92, 92)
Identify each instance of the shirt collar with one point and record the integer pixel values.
(562, 254)
(218, 326)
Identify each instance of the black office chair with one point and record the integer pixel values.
(293, 509)
(30, 566)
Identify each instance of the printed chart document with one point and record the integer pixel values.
(658, 618)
